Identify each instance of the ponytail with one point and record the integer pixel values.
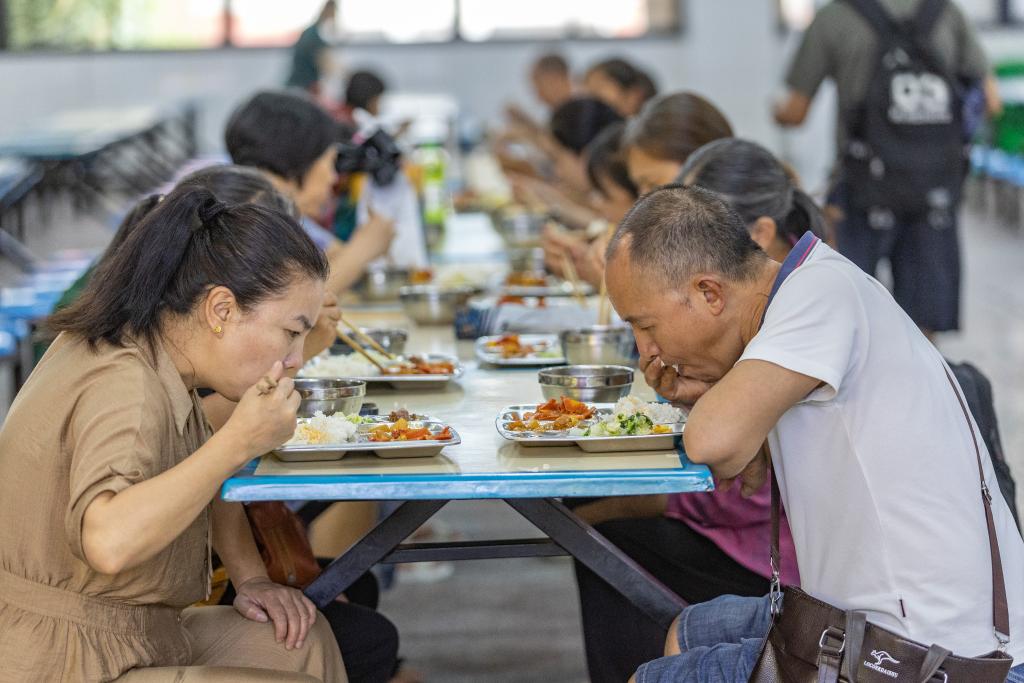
(755, 184)
(187, 244)
(803, 215)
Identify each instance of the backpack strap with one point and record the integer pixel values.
(873, 13)
(928, 13)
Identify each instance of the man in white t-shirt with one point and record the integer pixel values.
(873, 454)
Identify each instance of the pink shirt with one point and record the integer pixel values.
(740, 526)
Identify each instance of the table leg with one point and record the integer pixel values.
(602, 557)
(371, 549)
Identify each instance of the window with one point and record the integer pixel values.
(113, 24)
(397, 21)
(481, 20)
(198, 24)
(796, 15)
(259, 23)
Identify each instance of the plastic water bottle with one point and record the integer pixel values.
(433, 162)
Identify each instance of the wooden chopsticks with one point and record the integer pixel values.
(574, 279)
(358, 348)
(367, 339)
(604, 306)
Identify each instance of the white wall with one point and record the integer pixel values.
(730, 52)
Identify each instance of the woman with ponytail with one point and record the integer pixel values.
(760, 189)
(106, 457)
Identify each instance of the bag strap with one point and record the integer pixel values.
(1000, 608)
(927, 17)
(873, 13)
(933, 660)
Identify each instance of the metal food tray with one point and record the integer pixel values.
(362, 444)
(590, 444)
(553, 288)
(495, 358)
(414, 381)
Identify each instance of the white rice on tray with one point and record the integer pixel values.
(325, 429)
(350, 365)
(660, 413)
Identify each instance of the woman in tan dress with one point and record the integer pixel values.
(109, 476)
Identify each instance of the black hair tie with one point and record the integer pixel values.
(207, 214)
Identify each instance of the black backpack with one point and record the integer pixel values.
(978, 394)
(906, 154)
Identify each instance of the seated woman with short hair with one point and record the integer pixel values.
(291, 139)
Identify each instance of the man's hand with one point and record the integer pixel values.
(666, 380)
(291, 612)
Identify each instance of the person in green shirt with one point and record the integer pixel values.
(310, 54)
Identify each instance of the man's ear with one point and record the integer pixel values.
(710, 292)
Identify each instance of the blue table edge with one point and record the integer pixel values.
(246, 486)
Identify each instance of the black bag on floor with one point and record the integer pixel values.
(978, 392)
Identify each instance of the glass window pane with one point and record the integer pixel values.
(485, 19)
(258, 23)
(397, 21)
(796, 15)
(263, 23)
(114, 24)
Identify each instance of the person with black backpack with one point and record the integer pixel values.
(913, 84)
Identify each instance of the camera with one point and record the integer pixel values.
(377, 155)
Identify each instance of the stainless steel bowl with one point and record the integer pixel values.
(383, 285)
(593, 383)
(599, 345)
(433, 305)
(526, 259)
(391, 340)
(330, 396)
(522, 230)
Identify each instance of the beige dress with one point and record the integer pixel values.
(89, 421)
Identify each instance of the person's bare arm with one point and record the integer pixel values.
(622, 507)
(348, 261)
(257, 597)
(729, 423)
(122, 530)
(993, 101)
(792, 111)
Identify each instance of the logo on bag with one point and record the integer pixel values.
(882, 657)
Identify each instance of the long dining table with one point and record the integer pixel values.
(484, 466)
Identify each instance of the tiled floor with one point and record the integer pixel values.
(518, 620)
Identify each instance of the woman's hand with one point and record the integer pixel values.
(265, 417)
(291, 612)
(325, 330)
(591, 264)
(557, 243)
(666, 380)
(753, 476)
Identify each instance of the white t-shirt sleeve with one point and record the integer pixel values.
(811, 327)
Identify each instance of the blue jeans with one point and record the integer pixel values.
(719, 642)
